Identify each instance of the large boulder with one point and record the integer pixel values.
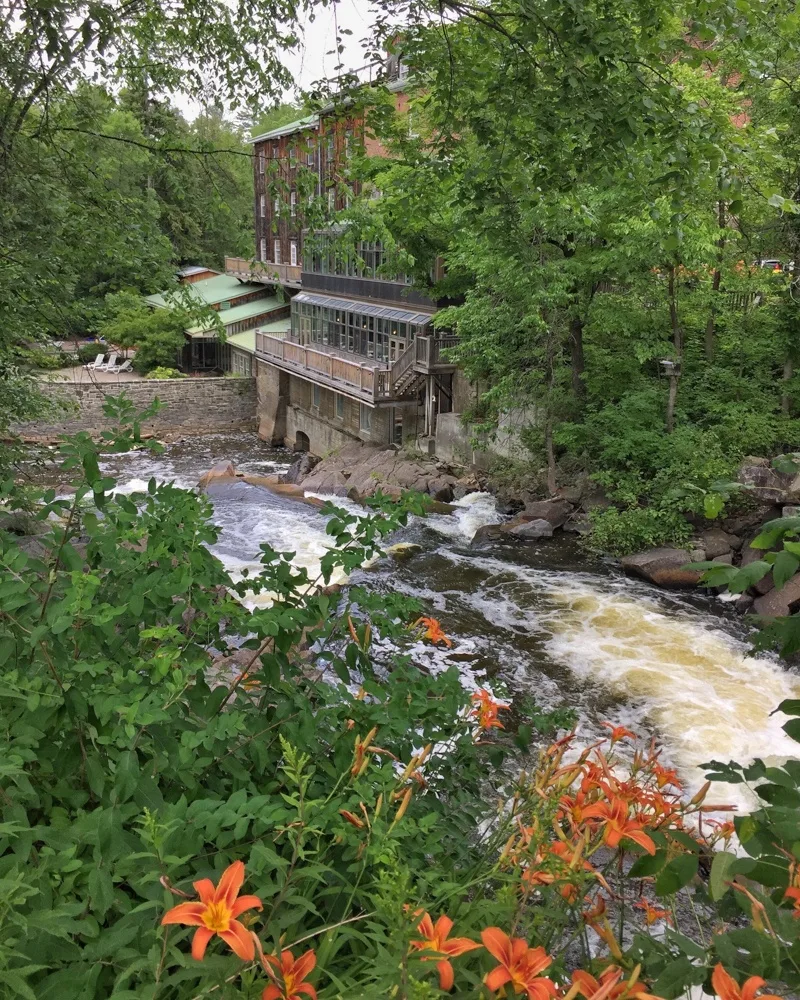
(767, 484)
(779, 603)
(530, 530)
(717, 542)
(555, 511)
(300, 468)
(222, 470)
(662, 566)
(487, 534)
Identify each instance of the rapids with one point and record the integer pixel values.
(544, 620)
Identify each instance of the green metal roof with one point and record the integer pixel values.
(210, 291)
(267, 305)
(302, 123)
(247, 341)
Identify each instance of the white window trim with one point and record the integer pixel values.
(276, 251)
(293, 253)
(293, 203)
(263, 205)
(263, 249)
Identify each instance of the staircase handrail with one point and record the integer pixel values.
(403, 363)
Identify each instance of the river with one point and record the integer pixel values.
(544, 620)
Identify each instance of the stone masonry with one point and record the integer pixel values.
(191, 406)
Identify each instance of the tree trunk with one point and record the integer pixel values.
(677, 343)
(711, 325)
(576, 354)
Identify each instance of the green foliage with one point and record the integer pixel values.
(621, 532)
(164, 373)
(88, 352)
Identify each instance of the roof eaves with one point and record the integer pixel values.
(311, 121)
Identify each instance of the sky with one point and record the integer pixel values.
(315, 58)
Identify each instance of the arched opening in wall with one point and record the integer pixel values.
(302, 442)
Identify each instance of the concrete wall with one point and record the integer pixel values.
(458, 443)
(286, 407)
(191, 406)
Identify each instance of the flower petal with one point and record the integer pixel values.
(200, 941)
(305, 964)
(243, 903)
(497, 977)
(446, 977)
(239, 940)
(230, 883)
(442, 927)
(189, 914)
(271, 993)
(458, 946)
(425, 927)
(640, 837)
(204, 888)
(725, 986)
(306, 988)
(750, 987)
(498, 944)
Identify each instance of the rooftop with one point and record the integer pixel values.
(310, 121)
(247, 340)
(210, 291)
(257, 307)
(190, 269)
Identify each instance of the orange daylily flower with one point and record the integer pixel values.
(216, 913)
(653, 913)
(793, 893)
(289, 974)
(726, 987)
(619, 732)
(486, 710)
(519, 965)
(435, 939)
(618, 825)
(610, 985)
(432, 631)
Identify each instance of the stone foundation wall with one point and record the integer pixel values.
(191, 406)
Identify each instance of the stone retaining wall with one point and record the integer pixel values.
(191, 406)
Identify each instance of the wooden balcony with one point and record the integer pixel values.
(357, 377)
(257, 270)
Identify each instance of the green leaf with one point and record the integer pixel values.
(784, 568)
(101, 891)
(676, 977)
(720, 874)
(678, 873)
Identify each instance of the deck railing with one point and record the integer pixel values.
(429, 350)
(259, 270)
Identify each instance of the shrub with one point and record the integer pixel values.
(164, 373)
(621, 532)
(88, 352)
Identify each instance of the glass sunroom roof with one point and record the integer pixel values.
(364, 308)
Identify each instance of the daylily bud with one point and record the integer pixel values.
(698, 798)
(352, 819)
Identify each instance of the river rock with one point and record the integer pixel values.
(555, 512)
(401, 551)
(578, 524)
(726, 559)
(222, 470)
(662, 566)
(779, 603)
(300, 468)
(487, 534)
(790, 511)
(717, 542)
(530, 529)
(766, 484)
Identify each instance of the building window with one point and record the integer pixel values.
(316, 395)
(276, 151)
(263, 249)
(340, 406)
(310, 156)
(331, 147)
(293, 203)
(276, 250)
(276, 206)
(348, 143)
(262, 159)
(263, 205)
(292, 156)
(293, 253)
(365, 418)
(332, 200)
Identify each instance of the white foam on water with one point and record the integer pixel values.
(472, 512)
(694, 684)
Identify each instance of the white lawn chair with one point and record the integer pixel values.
(111, 364)
(126, 366)
(97, 363)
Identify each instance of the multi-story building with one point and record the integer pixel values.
(361, 360)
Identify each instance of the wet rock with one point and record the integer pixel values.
(487, 534)
(403, 550)
(578, 524)
(530, 529)
(555, 512)
(439, 507)
(741, 524)
(779, 603)
(20, 523)
(222, 470)
(300, 468)
(662, 566)
(743, 603)
(717, 542)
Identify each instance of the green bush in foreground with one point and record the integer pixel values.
(367, 803)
